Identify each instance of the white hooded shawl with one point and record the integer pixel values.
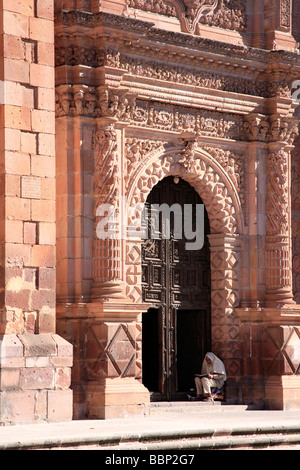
(216, 366)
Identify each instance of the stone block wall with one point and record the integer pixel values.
(28, 168)
(35, 377)
(34, 361)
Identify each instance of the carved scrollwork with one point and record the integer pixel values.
(228, 14)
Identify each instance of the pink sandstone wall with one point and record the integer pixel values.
(34, 361)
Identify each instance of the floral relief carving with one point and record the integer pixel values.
(72, 100)
(181, 119)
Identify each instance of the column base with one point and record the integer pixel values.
(111, 398)
(106, 291)
(273, 337)
(282, 393)
(35, 376)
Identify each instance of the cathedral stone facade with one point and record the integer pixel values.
(109, 107)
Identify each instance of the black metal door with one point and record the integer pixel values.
(176, 280)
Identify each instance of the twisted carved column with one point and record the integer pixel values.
(106, 248)
(278, 236)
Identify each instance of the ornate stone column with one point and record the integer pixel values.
(278, 222)
(112, 321)
(107, 243)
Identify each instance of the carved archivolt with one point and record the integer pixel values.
(207, 171)
(216, 189)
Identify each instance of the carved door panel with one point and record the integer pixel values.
(176, 331)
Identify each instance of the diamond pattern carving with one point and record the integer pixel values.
(110, 350)
(284, 347)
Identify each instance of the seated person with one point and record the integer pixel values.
(213, 375)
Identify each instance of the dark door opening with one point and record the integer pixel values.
(176, 281)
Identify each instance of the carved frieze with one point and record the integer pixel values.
(190, 75)
(208, 76)
(142, 113)
(230, 15)
(179, 119)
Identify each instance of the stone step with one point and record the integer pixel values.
(247, 441)
(169, 432)
(159, 408)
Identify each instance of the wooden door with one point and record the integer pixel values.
(176, 281)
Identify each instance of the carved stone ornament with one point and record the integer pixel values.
(229, 14)
(209, 179)
(285, 14)
(106, 165)
(278, 194)
(274, 128)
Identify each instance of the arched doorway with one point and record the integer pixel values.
(176, 281)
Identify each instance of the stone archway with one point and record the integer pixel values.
(219, 193)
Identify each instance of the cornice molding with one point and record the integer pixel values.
(143, 31)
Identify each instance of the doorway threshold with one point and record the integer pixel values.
(166, 407)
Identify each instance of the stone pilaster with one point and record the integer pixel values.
(107, 237)
(278, 222)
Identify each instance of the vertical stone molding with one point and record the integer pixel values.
(226, 284)
(107, 243)
(278, 236)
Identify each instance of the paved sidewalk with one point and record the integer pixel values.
(168, 426)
